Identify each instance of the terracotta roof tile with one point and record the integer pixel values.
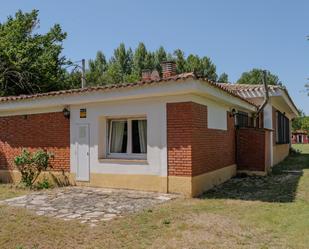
(241, 89)
(182, 76)
(300, 132)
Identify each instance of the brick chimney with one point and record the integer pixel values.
(168, 69)
(155, 75)
(146, 74)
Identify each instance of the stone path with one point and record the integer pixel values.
(88, 205)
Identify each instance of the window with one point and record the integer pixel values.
(127, 138)
(282, 129)
(242, 119)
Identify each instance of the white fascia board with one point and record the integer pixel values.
(146, 91)
(216, 94)
(290, 104)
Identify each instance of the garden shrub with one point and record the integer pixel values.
(31, 165)
(44, 184)
(294, 152)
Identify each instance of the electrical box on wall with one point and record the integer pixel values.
(83, 113)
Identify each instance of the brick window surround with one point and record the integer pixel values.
(48, 131)
(193, 148)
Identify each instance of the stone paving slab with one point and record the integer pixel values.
(88, 205)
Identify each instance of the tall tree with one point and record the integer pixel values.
(301, 122)
(150, 61)
(255, 77)
(223, 78)
(201, 66)
(194, 64)
(113, 74)
(160, 56)
(139, 59)
(181, 63)
(30, 62)
(97, 68)
(209, 69)
(127, 66)
(72, 79)
(123, 58)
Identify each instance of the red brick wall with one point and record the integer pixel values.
(193, 149)
(49, 131)
(179, 138)
(253, 152)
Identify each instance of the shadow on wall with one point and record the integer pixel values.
(280, 186)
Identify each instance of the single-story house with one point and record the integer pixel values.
(300, 137)
(179, 133)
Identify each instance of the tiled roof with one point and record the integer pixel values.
(300, 132)
(247, 90)
(251, 91)
(177, 77)
(94, 88)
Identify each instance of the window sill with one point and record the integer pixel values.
(123, 160)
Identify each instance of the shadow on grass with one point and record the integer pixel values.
(280, 186)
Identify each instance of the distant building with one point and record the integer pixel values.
(300, 137)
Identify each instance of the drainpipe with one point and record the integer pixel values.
(266, 96)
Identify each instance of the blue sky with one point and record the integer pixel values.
(237, 35)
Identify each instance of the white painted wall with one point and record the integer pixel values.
(268, 116)
(268, 123)
(216, 116)
(279, 104)
(155, 111)
(96, 118)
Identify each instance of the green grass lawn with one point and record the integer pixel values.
(304, 148)
(251, 212)
(8, 191)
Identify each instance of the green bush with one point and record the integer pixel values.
(294, 152)
(31, 165)
(45, 184)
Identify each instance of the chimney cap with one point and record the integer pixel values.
(155, 75)
(169, 61)
(146, 74)
(168, 69)
(146, 70)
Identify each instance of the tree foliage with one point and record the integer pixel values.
(255, 77)
(223, 78)
(30, 62)
(127, 65)
(301, 123)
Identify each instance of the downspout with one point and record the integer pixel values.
(266, 96)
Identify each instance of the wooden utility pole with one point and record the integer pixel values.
(83, 74)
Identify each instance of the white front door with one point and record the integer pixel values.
(82, 152)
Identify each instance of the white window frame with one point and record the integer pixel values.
(129, 154)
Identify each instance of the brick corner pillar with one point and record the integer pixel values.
(198, 157)
(179, 138)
